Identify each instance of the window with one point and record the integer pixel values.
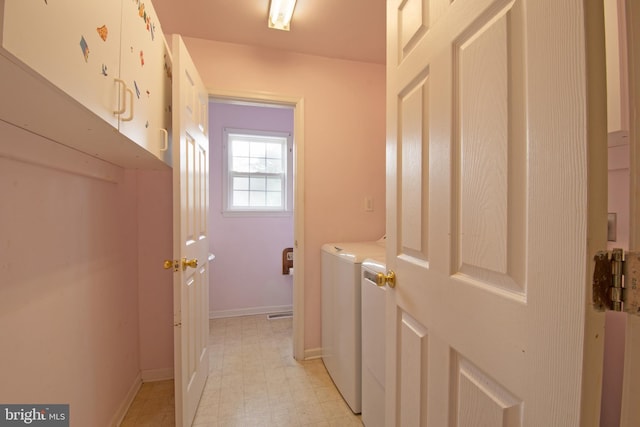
(257, 169)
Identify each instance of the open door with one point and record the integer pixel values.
(496, 204)
(190, 234)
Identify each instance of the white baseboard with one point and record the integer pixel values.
(312, 353)
(116, 420)
(217, 314)
(151, 375)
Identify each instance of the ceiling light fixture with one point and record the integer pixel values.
(280, 14)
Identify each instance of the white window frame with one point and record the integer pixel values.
(227, 174)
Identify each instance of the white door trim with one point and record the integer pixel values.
(297, 103)
(630, 389)
(633, 43)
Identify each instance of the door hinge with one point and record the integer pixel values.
(616, 280)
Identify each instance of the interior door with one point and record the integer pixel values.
(494, 211)
(190, 233)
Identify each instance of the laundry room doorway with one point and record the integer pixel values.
(255, 214)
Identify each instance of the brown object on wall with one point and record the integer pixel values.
(287, 260)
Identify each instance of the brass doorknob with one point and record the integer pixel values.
(193, 263)
(184, 263)
(386, 279)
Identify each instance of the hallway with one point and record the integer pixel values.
(253, 381)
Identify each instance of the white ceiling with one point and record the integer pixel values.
(345, 29)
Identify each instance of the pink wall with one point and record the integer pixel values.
(618, 193)
(344, 129)
(247, 273)
(155, 292)
(68, 279)
(615, 323)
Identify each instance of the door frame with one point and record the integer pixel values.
(629, 411)
(633, 76)
(297, 103)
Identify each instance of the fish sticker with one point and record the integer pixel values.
(103, 32)
(85, 48)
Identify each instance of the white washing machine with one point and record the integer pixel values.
(341, 339)
(373, 343)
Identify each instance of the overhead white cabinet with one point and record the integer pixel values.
(145, 68)
(60, 40)
(110, 57)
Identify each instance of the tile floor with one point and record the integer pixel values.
(253, 381)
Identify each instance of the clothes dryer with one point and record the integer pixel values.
(373, 343)
(341, 338)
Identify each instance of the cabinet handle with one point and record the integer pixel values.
(122, 106)
(130, 116)
(165, 140)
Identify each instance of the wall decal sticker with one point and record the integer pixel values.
(142, 58)
(151, 26)
(85, 48)
(167, 67)
(104, 70)
(135, 85)
(103, 32)
(146, 124)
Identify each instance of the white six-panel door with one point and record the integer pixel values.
(190, 216)
(490, 215)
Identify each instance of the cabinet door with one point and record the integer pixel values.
(145, 67)
(73, 44)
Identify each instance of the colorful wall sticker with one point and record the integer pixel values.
(103, 32)
(152, 29)
(151, 26)
(142, 58)
(85, 48)
(167, 67)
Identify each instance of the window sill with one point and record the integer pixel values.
(256, 214)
